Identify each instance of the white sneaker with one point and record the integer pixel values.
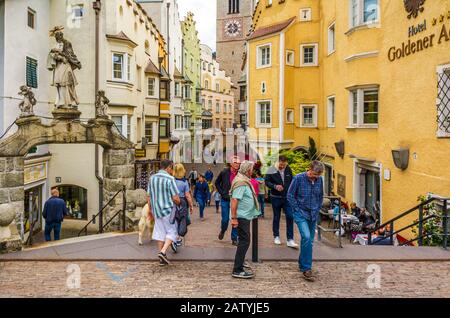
(277, 240)
(291, 243)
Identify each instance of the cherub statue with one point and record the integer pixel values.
(29, 101)
(101, 104)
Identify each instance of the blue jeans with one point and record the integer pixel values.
(307, 230)
(201, 204)
(52, 226)
(277, 205)
(261, 200)
(225, 205)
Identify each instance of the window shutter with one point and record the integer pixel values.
(32, 80)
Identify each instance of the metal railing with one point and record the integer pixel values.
(419, 223)
(99, 215)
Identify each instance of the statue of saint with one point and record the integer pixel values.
(63, 62)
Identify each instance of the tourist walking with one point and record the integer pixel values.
(217, 198)
(186, 202)
(209, 175)
(244, 208)
(261, 192)
(54, 211)
(278, 179)
(305, 195)
(223, 185)
(201, 194)
(163, 194)
(193, 176)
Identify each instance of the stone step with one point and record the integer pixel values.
(74, 240)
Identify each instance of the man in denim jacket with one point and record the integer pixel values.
(305, 196)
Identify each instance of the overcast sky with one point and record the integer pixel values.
(205, 16)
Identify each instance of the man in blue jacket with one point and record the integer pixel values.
(305, 196)
(54, 211)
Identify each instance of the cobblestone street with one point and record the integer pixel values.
(213, 279)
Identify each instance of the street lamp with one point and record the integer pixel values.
(401, 158)
(340, 148)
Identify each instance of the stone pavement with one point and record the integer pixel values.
(212, 279)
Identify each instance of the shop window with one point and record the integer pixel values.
(76, 201)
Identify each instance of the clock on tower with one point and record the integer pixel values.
(233, 28)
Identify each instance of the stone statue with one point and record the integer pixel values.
(29, 101)
(63, 62)
(101, 104)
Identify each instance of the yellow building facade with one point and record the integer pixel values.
(365, 77)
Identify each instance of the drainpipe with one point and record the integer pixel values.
(97, 5)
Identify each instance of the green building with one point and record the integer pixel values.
(192, 74)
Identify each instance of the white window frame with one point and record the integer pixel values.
(331, 111)
(206, 84)
(259, 49)
(315, 62)
(126, 67)
(263, 87)
(305, 14)
(126, 122)
(357, 20)
(78, 6)
(290, 113)
(332, 38)
(358, 120)
(258, 114)
(155, 87)
(315, 111)
(218, 87)
(177, 89)
(291, 53)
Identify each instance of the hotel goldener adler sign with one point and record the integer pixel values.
(413, 46)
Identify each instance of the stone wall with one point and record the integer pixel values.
(11, 202)
(118, 171)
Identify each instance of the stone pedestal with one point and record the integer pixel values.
(66, 113)
(26, 120)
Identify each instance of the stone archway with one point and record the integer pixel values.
(66, 128)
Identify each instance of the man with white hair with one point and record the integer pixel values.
(305, 195)
(244, 208)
